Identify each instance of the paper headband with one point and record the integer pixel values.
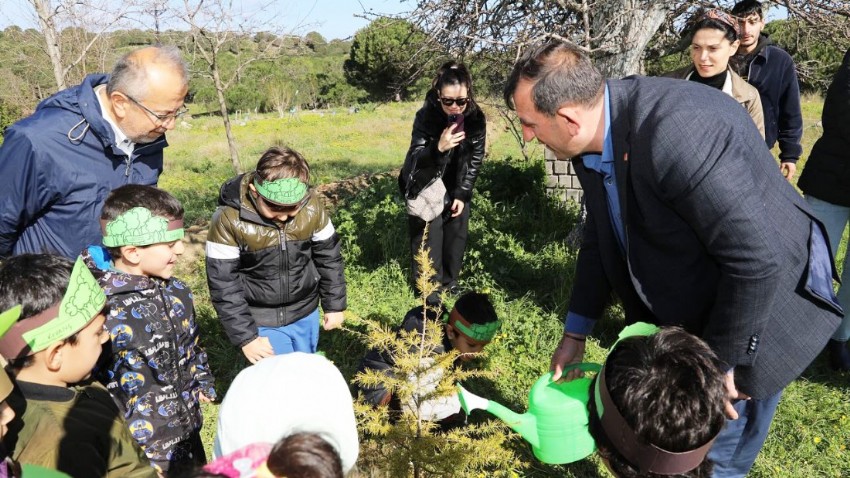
(83, 300)
(647, 457)
(7, 319)
(283, 192)
(481, 333)
(139, 227)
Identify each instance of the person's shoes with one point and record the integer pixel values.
(839, 355)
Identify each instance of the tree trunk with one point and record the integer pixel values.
(630, 25)
(51, 39)
(222, 105)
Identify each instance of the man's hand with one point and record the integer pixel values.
(203, 398)
(788, 170)
(569, 351)
(333, 320)
(457, 207)
(258, 349)
(733, 394)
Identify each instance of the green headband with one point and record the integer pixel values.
(83, 300)
(284, 192)
(139, 227)
(478, 332)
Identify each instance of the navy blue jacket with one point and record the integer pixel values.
(57, 167)
(772, 72)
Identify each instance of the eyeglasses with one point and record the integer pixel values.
(160, 119)
(458, 101)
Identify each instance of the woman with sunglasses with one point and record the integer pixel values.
(448, 144)
(715, 40)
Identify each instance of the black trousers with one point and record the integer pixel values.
(447, 242)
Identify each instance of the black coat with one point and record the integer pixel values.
(827, 172)
(458, 166)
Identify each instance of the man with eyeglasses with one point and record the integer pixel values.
(59, 164)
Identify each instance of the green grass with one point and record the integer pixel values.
(516, 251)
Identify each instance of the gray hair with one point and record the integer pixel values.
(562, 74)
(129, 74)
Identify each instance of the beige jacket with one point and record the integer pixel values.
(744, 93)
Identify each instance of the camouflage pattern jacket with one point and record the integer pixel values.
(153, 365)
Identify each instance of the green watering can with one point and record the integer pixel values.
(556, 421)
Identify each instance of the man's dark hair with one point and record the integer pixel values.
(562, 74)
(280, 162)
(305, 455)
(476, 308)
(37, 282)
(670, 389)
(745, 8)
(122, 199)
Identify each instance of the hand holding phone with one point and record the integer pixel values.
(456, 120)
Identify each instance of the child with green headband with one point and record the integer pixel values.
(65, 422)
(273, 256)
(468, 328)
(154, 366)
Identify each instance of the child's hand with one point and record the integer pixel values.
(258, 349)
(203, 398)
(333, 320)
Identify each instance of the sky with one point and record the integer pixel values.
(332, 18)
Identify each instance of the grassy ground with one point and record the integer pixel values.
(516, 251)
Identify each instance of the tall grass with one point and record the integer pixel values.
(516, 251)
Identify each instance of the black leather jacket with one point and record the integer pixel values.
(458, 166)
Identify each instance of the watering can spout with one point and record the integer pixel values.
(524, 424)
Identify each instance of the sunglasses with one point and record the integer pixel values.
(458, 101)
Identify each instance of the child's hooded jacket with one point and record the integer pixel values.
(153, 365)
(262, 273)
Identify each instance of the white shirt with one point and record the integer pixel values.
(121, 140)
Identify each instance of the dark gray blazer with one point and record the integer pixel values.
(717, 240)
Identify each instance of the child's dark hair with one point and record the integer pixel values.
(715, 20)
(745, 8)
(280, 162)
(305, 455)
(36, 282)
(454, 73)
(122, 199)
(670, 389)
(476, 308)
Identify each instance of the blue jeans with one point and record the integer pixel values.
(299, 336)
(835, 219)
(739, 443)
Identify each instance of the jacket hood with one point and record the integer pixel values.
(112, 280)
(82, 100)
(764, 40)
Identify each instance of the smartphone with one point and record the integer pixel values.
(458, 120)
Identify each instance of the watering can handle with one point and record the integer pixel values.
(583, 366)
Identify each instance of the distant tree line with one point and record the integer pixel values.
(390, 59)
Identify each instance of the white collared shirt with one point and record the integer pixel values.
(121, 140)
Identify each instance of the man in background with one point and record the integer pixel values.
(58, 165)
(771, 70)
